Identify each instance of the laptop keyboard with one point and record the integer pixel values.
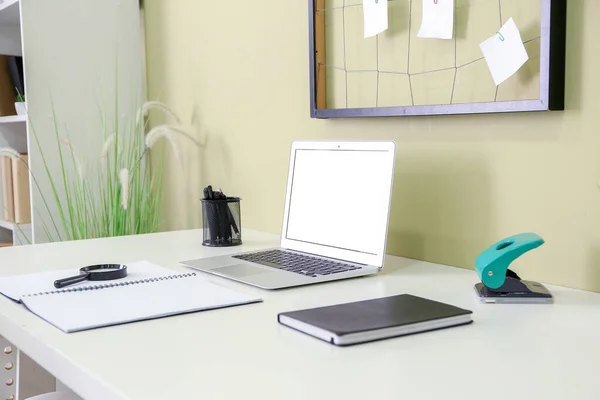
(297, 263)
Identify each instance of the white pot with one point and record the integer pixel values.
(21, 108)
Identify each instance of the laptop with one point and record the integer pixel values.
(335, 219)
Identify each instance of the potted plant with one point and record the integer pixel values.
(20, 104)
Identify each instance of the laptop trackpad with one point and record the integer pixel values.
(239, 270)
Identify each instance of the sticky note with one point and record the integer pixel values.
(438, 19)
(505, 52)
(376, 16)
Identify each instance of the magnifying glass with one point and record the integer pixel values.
(100, 272)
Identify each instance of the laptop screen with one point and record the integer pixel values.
(340, 199)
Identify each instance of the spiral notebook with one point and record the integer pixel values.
(148, 292)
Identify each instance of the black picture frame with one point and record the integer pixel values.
(552, 76)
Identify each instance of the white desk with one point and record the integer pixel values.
(509, 352)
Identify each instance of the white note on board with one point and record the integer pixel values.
(438, 19)
(505, 52)
(376, 16)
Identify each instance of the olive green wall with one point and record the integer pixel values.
(237, 72)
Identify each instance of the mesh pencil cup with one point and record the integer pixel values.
(221, 222)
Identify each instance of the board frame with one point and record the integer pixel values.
(552, 73)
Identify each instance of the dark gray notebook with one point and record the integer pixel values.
(369, 320)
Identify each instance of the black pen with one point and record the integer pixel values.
(231, 220)
(212, 216)
(224, 224)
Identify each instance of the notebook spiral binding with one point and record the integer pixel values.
(110, 285)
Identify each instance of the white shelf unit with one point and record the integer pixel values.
(71, 52)
(13, 128)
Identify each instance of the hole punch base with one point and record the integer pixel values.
(520, 292)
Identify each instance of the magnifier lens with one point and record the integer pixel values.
(101, 270)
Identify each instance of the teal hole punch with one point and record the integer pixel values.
(501, 285)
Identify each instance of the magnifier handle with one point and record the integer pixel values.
(69, 281)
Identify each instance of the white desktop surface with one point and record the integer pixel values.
(509, 352)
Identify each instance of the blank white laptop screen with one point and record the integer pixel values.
(340, 199)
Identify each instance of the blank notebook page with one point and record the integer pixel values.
(88, 309)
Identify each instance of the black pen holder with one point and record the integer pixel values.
(222, 222)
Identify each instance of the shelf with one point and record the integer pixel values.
(9, 12)
(7, 225)
(11, 226)
(11, 119)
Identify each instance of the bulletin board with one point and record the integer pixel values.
(397, 73)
